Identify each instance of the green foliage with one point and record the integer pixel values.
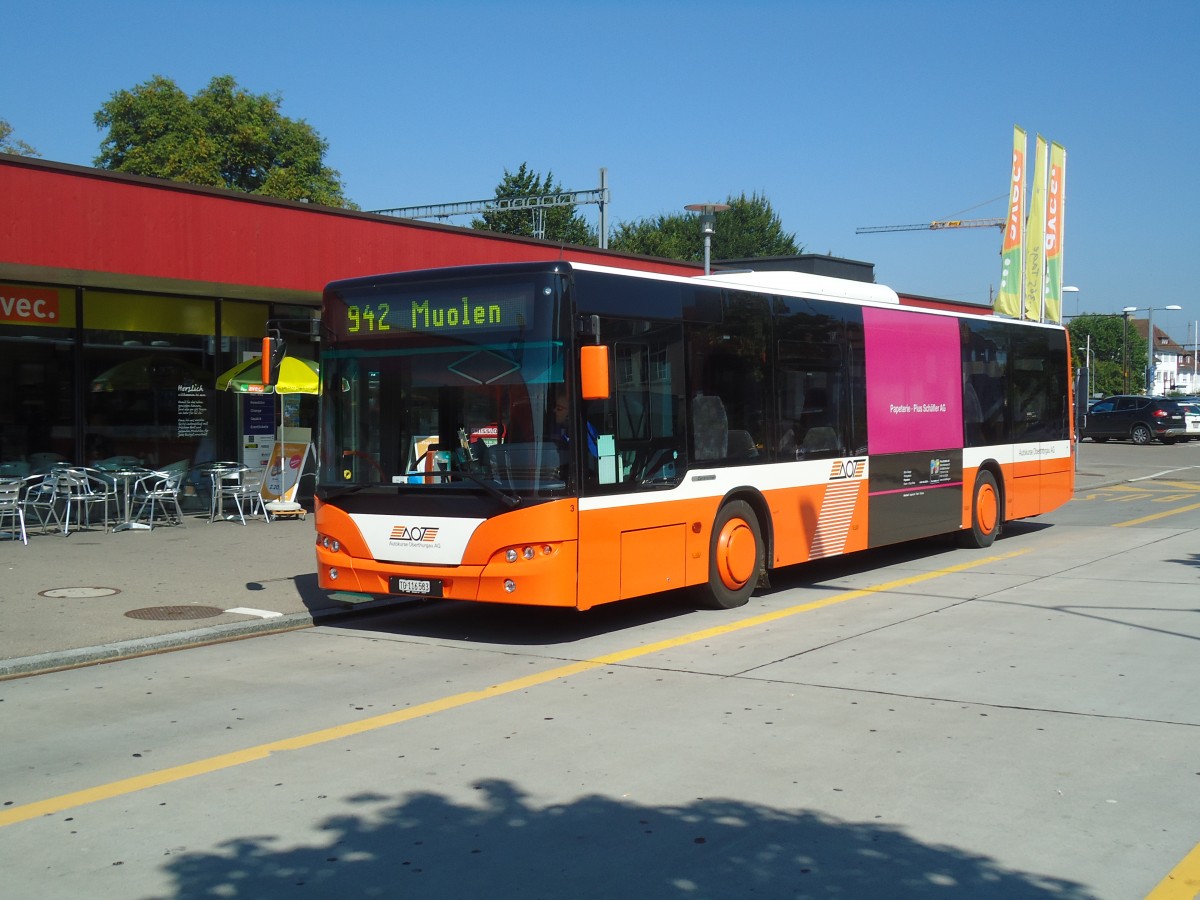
(560, 223)
(667, 237)
(749, 228)
(224, 136)
(10, 144)
(1118, 357)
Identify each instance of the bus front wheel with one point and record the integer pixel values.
(735, 558)
(985, 513)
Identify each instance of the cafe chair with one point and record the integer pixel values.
(41, 500)
(40, 463)
(222, 478)
(82, 490)
(11, 509)
(247, 495)
(159, 490)
(116, 463)
(14, 468)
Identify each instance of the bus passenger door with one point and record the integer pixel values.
(632, 539)
(1043, 467)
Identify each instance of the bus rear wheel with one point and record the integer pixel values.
(735, 558)
(985, 513)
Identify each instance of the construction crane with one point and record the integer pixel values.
(935, 225)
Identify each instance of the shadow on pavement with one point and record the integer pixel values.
(428, 846)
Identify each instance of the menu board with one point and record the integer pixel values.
(192, 411)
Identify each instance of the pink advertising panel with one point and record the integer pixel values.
(914, 381)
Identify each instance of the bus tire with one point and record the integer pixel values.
(985, 513)
(735, 558)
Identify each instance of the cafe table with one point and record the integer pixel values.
(128, 476)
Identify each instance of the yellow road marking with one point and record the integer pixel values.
(1162, 515)
(1150, 487)
(373, 723)
(1182, 882)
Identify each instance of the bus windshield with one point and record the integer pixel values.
(439, 385)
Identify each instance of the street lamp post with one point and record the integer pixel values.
(1125, 353)
(708, 225)
(1149, 310)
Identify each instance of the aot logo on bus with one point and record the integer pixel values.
(847, 468)
(414, 534)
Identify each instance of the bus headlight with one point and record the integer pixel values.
(509, 585)
(510, 555)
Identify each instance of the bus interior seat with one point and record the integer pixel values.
(525, 462)
(818, 441)
(741, 445)
(519, 427)
(711, 427)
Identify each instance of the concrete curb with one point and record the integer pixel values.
(57, 660)
(84, 656)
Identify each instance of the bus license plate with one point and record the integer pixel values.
(420, 587)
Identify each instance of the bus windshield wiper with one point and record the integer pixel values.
(509, 500)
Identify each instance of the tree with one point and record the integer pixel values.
(1118, 355)
(749, 228)
(10, 144)
(224, 136)
(560, 223)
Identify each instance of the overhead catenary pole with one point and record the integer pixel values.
(535, 203)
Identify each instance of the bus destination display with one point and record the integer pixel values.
(484, 310)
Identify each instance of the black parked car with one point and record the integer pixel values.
(1141, 420)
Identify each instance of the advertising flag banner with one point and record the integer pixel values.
(1012, 277)
(1035, 237)
(1056, 192)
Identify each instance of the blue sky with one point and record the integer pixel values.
(843, 114)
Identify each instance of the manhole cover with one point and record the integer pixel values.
(76, 593)
(170, 613)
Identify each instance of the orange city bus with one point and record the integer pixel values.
(563, 434)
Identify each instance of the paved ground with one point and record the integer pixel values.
(95, 595)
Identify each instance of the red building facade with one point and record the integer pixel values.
(122, 298)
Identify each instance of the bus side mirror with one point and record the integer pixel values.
(593, 372)
(273, 350)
